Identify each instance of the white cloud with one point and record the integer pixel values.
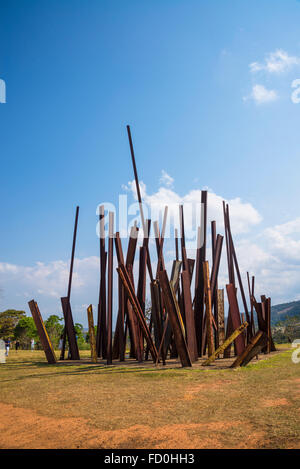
(243, 214)
(275, 62)
(166, 179)
(262, 95)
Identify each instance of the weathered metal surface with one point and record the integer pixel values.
(235, 317)
(119, 336)
(189, 316)
(110, 287)
(238, 273)
(221, 322)
(252, 343)
(92, 335)
(175, 319)
(43, 334)
(174, 280)
(101, 339)
(124, 275)
(156, 312)
(227, 342)
(208, 311)
(141, 288)
(69, 325)
(199, 281)
(139, 200)
(62, 355)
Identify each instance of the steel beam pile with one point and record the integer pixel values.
(186, 319)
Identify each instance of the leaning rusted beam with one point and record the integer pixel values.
(69, 325)
(133, 334)
(174, 318)
(92, 334)
(119, 336)
(62, 355)
(174, 281)
(124, 275)
(139, 199)
(225, 345)
(43, 334)
(252, 343)
(215, 268)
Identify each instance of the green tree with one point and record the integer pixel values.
(25, 330)
(8, 321)
(54, 329)
(82, 345)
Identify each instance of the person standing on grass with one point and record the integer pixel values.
(17, 345)
(7, 346)
(32, 345)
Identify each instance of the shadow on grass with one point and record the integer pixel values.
(67, 369)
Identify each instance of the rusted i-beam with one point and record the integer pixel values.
(43, 334)
(175, 319)
(139, 199)
(225, 345)
(92, 336)
(110, 287)
(122, 271)
(62, 355)
(101, 340)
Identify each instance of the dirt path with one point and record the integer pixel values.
(22, 428)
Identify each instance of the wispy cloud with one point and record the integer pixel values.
(166, 179)
(275, 62)
(261, 95)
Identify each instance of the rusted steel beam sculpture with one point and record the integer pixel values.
(92, 336)
(110, 287)
(208, 311)
(199, 280)
(144, 226)
(189, 315)
(254, 346)
(119, 336)
(235, 317)
(62, 355)
(238, 272)
(225, 345)
(101, 340)
(43, 334)
(70, 329)
(122, 271)
(221, 325)
(175, 319)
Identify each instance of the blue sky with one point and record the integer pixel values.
(179, 72)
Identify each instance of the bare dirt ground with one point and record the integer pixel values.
(87, 406)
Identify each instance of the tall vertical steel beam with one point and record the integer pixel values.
(62, 355)
(110, 288)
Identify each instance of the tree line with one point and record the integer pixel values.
(18, 327)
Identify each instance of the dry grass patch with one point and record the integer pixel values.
(90, 406)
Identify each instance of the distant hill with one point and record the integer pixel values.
(284, 311)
